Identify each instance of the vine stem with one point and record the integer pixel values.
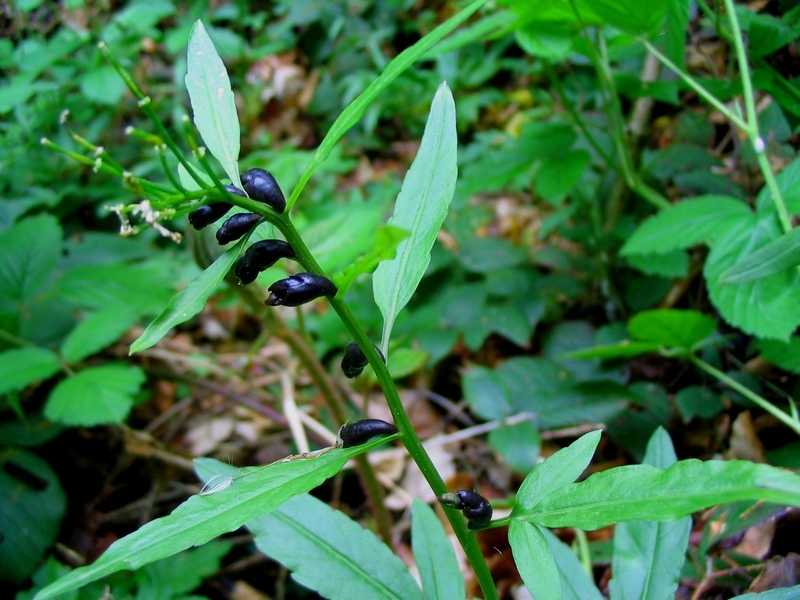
(408, 436)
(784, 418)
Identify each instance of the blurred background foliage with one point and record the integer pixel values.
(525, 269)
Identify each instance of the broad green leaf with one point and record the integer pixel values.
(787, 593)
(672, 328)
(695, 221)
(189, 302)
(674, 38)
(778, 255)
(420, 209)
(213, 103)
(330, 553)
(97, 395)
(29, 252)
(632, 16)
(144, 288)
(384, 247)
(252, 491)
(559, 470)
(97, 331)
(767, 307)
(518, 444)
(535, 562)
(433, 553)
(697, 401)
(648, 555)
(784, 354)
(22, 366)
(486, 393)
(642, 492)
(33, 506)
(670, 264)
(355, 110)
(575, 582)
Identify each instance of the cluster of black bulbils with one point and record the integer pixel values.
(298, 289)
(261, 186)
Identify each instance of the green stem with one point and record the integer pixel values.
(407, 434)
(752, 118)
(701, 91)
(784, 418)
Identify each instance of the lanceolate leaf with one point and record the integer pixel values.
(779, 255)
(560, 469)
(393, 70)
(255, 491)
(384, 247)
(331, 554)
(648, 555)
(642, 492)
(420, 209)
(212, 101)
(535, 562)
(187, 303)
(433, 553)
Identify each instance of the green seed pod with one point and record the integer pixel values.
(299, 289)
(476, 508)
(261, 185)
(360, 432)
(236, 226)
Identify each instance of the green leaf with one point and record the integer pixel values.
(97, 331)
(420, 209)
(778, 255)
(766, 307)
(642, 492)
(330, 553)
(189, 302)
(518, 444)
(559, 470)
(575, 582)
(632, 16)
(384, 247)
(699, 220)
(669, 264)
(29, 253)
(180, 573)
(433, 553)
(213, 103)
(355, 110)
(252, 492)
(672, 328)
(95, 396)
(697, 401)
(624, 349)
(33, 506)
(648, 555)
(787, 593)
(535, 562)
(22, 366)
(675, 31)
(785, 355)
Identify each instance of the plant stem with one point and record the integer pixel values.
(747, 393)
(407, 434)
(752, 119)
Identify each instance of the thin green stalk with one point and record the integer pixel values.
(583, 550)
(752, 119)
(701, 91)
(784, 418)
